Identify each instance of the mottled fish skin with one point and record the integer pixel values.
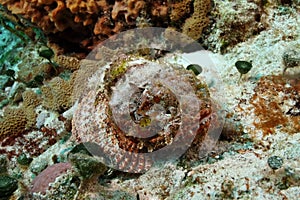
(93, 120)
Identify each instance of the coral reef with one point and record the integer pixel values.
(29, 66)
(30, 98)
(180, 10)
(13, 123)
(17, 121)
(34, 143)
(9, 46)
(194, 25)
(130, 9)
(23, 129)
(57, 94)
(55, 182)
(30, 101)
(257, 156)
(47, 176)
(3, 164)
(24, 160)
(60, 19)
(67, 62)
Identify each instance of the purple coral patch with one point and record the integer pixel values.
(41, 183)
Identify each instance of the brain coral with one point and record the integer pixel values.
(57, 94)
(88, 22)
(16, 120)
(193, 26)
(13, 123)
(67, 62)
(180, 10)
(30, 98)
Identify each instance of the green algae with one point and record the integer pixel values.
(7, 185)
(23, 159)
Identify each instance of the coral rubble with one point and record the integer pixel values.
(234, 22)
